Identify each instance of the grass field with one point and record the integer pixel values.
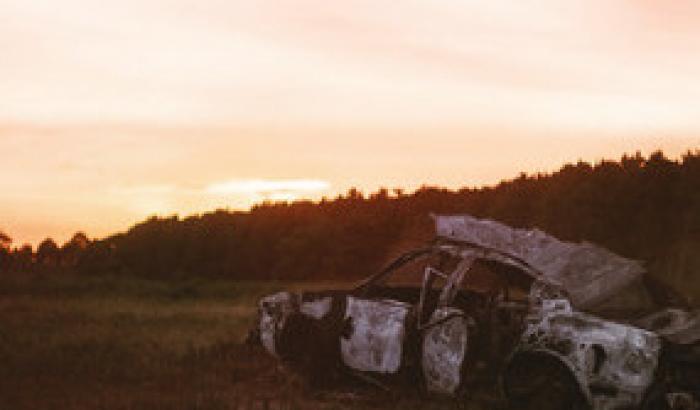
(116, 343)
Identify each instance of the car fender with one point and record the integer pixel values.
(273, 312)
(528, 352)
(614, 364)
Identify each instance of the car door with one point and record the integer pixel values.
(445, 334)
(374, 334)
(376, 316)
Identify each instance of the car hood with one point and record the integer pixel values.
(676, 325)
(589, 273)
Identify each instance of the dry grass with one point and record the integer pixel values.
(115, 343)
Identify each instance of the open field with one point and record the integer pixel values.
(117, 343)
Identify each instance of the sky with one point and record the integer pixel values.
(117, 110)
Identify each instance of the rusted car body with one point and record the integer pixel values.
(489, 303)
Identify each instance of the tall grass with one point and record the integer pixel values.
(127, 343)
(106, 342)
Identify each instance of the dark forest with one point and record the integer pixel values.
(641, 207)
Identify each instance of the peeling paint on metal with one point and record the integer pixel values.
(542, 291)
(274, 311)
(614, 362)
(678, 326)
(444, 350)
(375, 341)
(589, 273)
(317, 308)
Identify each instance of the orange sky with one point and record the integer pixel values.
(113, 111)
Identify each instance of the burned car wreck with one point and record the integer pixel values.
(553, 324)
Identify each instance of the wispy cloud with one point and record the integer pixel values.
(309, 61)
(162, 199)
(267, 186)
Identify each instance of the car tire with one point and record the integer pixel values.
(542, 382)
(656, 398)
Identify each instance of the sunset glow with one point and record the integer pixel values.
(114, 111)
(259, 186)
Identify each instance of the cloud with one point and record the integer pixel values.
(273, 187)
(354, 62)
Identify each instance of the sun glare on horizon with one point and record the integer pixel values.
(115, 111)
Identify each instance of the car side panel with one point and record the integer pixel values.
(615, 363)
(374, 338)
(444, 350)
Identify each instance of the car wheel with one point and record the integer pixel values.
(542, 382)
(656, 398)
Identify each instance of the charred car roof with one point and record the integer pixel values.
(589, 273)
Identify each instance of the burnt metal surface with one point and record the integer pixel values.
(613, 363)
(274, 311)
(590, 274)
(445, 344)
(676, 325)
(316, 308)
(277, 310)
(375, 338)
(450, 335)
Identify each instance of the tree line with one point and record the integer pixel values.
(641, 207)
